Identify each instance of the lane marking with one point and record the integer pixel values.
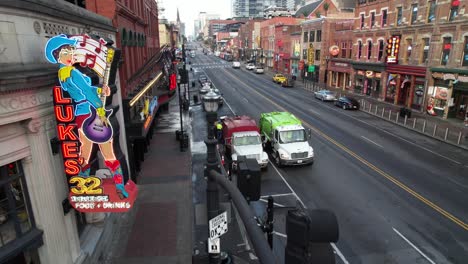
(411, 244)
(371, 141)
(313, 112)
(279, 234)
(245, 99)
(387, 132)
(371, 166)
(338, 252)
(277, 195)
(277, 204)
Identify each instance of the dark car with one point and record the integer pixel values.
(288, 82)
(346, 102)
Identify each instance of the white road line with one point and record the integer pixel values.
(279, 234)
(277, 204)
(371, 141)
(277, 195)
(245, 99)
(338, 252)
(385, 131)
(411, 244)
(313, 112)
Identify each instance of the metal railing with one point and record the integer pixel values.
(452, 136)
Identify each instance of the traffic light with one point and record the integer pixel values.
(310, 233)
(248, 178)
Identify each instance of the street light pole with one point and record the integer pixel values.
(210, 102)
(183, 140)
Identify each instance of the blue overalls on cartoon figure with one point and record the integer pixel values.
(60, 50)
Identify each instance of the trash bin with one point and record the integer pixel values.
(402, 112)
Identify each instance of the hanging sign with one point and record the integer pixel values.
(310, 54)
(311, 68)
(393, 46)
(84, 121)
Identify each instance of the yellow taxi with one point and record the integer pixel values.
(279, 78)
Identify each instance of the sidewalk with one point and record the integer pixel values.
(158, 229)
(446, 130)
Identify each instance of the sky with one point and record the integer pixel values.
(189, 10)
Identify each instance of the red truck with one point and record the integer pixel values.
(242, 138)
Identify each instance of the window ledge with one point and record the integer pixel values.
(30, 240)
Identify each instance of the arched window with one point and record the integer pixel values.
(369, 49)
(359, 51)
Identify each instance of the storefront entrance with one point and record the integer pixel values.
(462, 107)
(404, 93)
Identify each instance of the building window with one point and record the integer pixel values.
(381, 49)
(319, 35)
(465, 53)
(372, 19)
(384, 17)
(399, 16)
(369, 49)
(350, 46)
(16, 217)
(454, 9)
(425, 52)
(362, 21)
(361, 2)
(304, 54)
(306, 38)
(343, 49)
(312, 36)
(446, 48)
(414, 13)
(409, 49)
(431, 12)
(317, 54)
(359, 53)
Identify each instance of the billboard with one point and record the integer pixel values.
(87, 71)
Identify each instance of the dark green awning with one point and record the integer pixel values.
(450, 70)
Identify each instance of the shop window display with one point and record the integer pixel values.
(15, 212)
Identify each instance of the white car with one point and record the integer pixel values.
(325, 95)
(236, 65)
(259, 70)
(250, 66)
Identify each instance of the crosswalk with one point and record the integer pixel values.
(211, 65)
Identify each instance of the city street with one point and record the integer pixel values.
(399, 197)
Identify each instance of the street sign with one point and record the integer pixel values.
(214, 246)
(311, 68)
(218, 225)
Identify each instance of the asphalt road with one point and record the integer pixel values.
(399, 197)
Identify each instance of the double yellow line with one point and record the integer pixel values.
(379, 171)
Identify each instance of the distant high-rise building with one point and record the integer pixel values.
(254, 8)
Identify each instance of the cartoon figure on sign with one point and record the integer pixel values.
(430, 107)
(91, 116)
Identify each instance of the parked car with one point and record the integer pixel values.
(202, 79)
(259, 69)
(325, 95)
(279, 78)
(236, 65)
(288, 82)
(347, 102)
(250, 66)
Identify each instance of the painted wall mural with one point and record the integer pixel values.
(85, 123)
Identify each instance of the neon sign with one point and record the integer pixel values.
(83, 121)
(393, 47)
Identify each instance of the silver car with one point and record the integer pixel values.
(325, 95)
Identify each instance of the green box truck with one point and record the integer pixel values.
(286, 138)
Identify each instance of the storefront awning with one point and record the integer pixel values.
(378, 67)
(450, 70)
